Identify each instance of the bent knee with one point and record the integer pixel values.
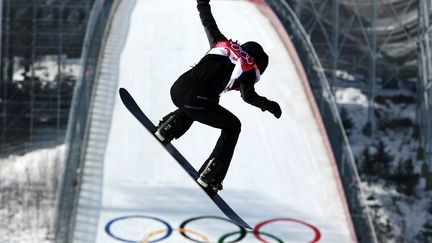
(236, 126)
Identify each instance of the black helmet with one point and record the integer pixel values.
(257, 52)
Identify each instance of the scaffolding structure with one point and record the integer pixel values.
(425, 80)
(376, 44)
(41, 45)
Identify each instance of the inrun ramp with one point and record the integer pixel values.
(281, 178)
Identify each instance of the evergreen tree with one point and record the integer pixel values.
(405, 179)
(399, 177)
(346, 121)
(412, 178)
(367, 129)
(368, 164)
(383, 160)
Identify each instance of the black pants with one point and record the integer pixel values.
(218, 117)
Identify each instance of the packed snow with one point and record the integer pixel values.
(28, 185)
(280, 177)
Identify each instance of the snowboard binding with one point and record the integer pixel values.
(207, 178)
(169, 128)
(212, 190)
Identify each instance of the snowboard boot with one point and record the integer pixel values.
(168, 128)
(207, 177)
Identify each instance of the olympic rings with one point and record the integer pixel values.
(108, 228)
(259, 226)
(183, 225)
(236, 47)
(222, 239)
(149, 236)
(183, 230)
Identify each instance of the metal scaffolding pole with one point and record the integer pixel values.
(1, 24)
(372, 66)
(59, 70)
(428, 101)
(335, 40)
(425, 80)
(2, 115)
(5, 67)
(32, 78)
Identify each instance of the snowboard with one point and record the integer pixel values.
(136, 111)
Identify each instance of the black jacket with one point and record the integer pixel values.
(201, 86)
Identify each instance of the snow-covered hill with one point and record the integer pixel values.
(389, 163)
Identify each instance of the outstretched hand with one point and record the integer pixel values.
(274, 108)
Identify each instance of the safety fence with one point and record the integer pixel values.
(328, 109)
(96, 32)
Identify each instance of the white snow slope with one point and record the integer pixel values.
(280, 180)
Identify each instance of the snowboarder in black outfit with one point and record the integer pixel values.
(227, 66)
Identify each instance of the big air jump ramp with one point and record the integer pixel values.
(282, 179)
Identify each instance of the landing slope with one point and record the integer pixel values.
(280, 169)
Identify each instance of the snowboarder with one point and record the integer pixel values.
(227, 66)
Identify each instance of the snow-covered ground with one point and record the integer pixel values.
(401, 207)
(28, 185)
(47, 68)
(134, 191)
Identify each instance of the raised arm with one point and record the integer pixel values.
(212, 31)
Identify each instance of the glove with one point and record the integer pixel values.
(274, 108)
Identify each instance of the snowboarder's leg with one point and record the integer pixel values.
(173, 125)
(216, 166)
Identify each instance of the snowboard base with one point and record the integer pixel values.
(133, 107)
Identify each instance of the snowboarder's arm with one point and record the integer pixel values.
(250, 96)
(212, 31)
